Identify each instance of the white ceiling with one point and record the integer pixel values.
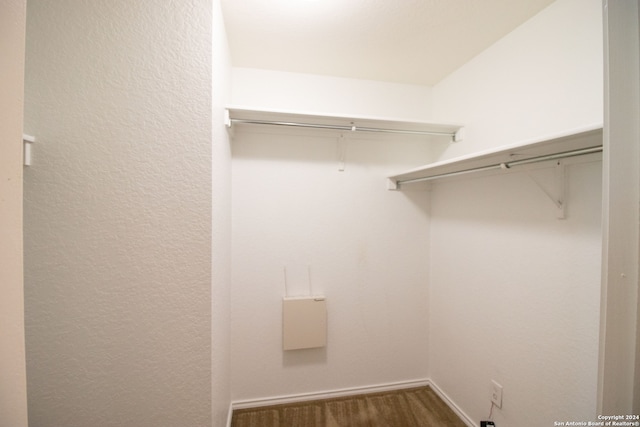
(405, 41)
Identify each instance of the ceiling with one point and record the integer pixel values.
(404, 41)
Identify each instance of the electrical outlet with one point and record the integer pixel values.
(496, 394)
(487, 424)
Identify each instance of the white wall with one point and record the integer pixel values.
(118, 213)
(514, 296)
(620, 385)
(543, 78)
(13, 382)
(514, 292)
(276, 90)
(365, 246)
(221, 226)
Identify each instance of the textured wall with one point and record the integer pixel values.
(118, 213)
(13, 387)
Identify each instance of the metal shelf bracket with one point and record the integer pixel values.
(557, 192)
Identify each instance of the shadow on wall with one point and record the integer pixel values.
(306, 357)
(262, 142)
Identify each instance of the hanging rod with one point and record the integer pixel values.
(506, 165)
(352, 128)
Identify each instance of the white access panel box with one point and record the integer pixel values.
(304, 323)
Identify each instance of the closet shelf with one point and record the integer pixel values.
(247, 116)
(574, 143)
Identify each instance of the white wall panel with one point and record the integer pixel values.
(331, 95)
(514, 296)
(220, 225)
(544, 78)
(514, 292)
(620, 385)
(365, 248)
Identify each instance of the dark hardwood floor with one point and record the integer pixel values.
(415, 407)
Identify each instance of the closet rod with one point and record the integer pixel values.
(351, 128)
(507, 165)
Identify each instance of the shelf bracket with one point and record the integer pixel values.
(227, 118)
(557, 194)
(27, 140)
(392, 185)
(228, 123)
(342, 152)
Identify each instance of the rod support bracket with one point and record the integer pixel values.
(27, 140)
(342, 153)
(558, 194)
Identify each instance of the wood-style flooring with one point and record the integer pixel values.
(415, 407)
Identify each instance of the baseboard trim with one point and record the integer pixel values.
(451, 404)
(294, 398)
(230, 414)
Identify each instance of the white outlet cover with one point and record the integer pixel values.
(496, 394)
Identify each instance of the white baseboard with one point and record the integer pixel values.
(230, 414)
(451, 404)
(294, 398)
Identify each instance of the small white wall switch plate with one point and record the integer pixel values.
(496, 394)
